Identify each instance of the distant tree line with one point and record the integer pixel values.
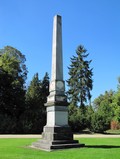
(22, 109)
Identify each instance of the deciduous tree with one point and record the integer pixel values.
(13, 73)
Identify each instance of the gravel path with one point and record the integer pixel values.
(75, 136)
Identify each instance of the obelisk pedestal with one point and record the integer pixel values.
(57, 133)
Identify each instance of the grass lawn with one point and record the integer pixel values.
(113, 132)
(96, 148)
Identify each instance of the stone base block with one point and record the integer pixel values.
(57, 137)
(56, 145)
(57, 133)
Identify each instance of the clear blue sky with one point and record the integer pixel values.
(27, 25)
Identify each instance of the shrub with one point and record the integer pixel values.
(115, 125)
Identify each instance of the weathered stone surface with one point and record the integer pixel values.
(57, 133)
(56, 100)
(57, 115)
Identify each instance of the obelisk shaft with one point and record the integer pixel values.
(57, 85)
(57, 133)
(57, 61)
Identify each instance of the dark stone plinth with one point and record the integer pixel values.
(57, 133)
(57, 137)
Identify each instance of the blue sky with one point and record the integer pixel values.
(27, 25)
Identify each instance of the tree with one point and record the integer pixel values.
(88, 115)
(5, 90)
(115, 123)
(34, 117)
(13, 73)
(80, 81)
(103, 112)
(79, 87)
(72, 118)
(13, 62)
(45, 87)
(33, 94)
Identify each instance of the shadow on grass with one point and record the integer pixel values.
(102, 146)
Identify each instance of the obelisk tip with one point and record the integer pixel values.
(57, 15)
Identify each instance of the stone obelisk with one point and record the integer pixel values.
(57, 133)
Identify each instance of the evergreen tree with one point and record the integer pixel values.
(34, 117)
(80, 81)
(33, 94)
(45, 87)
(79, 87)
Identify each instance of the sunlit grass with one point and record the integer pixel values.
(96, 148)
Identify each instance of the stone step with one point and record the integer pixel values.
(65, 146)
(64, 142)
(57, 145)
(56, 142)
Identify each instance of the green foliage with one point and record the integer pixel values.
(33, 94)
(73, 118)
(79, 87)
(115, 122)
(99, 123)
(107, 111)
(36, 95)
(13, 62)
(80, 119)
(8, 124)
(20, 112)
(88, 115)
(34, 117)
(13, 74)
(80, 81)
(116, 104)
(103, 112)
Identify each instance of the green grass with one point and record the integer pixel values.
(96, 148)
(112, 132)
